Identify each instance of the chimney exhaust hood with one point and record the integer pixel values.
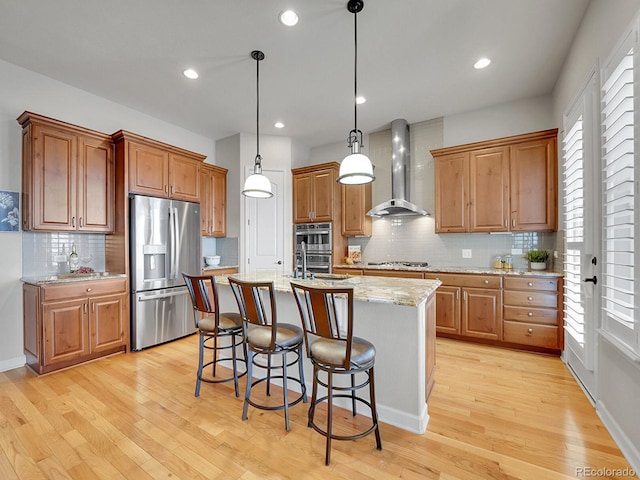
(400, 203)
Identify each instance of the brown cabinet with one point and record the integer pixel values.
(67, 177)
(507, 184)
(533, 311)
(393, 273)
(69, 323)
(161, 170)
(356, 202)
(213, 204)
(316, 193)
(468, 305)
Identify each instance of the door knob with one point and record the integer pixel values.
(593, 279)
(279, 262)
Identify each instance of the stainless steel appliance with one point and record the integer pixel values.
(165, 242)
(317, 239)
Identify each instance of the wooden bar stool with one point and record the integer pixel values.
(263, 335)
(333, 349)
(213, 326)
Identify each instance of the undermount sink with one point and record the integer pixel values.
(331, 276)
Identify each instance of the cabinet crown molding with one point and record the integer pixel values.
(123, 135)
(498, 142)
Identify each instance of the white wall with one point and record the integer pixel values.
(504, 120)
(22, 90)
(617, 376)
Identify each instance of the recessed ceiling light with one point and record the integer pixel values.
(360, 100)
(278, 125)
(288, 18)
(190, 73)
(482, 63)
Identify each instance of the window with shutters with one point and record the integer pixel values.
(619, 192)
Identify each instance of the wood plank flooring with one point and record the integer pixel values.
(495, 414)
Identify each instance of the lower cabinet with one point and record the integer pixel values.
(69, 323)
(469, 305)
(533, 312)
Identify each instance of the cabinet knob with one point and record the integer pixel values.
(89, 289)
(530, 298)
(530, 314)
(486, 282)
(530, 284)
(530, 330)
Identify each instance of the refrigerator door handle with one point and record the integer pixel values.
(172, 238)
(178, 247)
(158, 296)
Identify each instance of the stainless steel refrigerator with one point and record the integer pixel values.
(165, 242)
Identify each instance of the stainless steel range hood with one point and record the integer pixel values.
(400, 203)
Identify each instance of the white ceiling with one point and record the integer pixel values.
(415, 58)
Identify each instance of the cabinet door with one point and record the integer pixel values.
(324, 186)
(482, 313)
(206, 201)
(184, 178)
(302, 191)
(66, 333)
(489, 190)
(451, 190)
(107, 322)
(448, 309)
(54, 179)
(356, 202)
(534, 186)
(95, 185)
(219, 205)
(148, 170)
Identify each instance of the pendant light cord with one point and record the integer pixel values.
(355, 73)
(258, 109)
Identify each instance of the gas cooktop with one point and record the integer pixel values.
(399, 264)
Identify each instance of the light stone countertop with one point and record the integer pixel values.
(207, 268)
(475, 270)
(71, 277)
(398, 291)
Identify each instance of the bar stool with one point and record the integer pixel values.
(335, 351)
(212, 326)
(263, 335)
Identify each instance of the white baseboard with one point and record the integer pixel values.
(12, 363)
(628, 449)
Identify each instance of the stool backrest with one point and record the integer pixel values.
(320, 309)
(204, 296)
(253, 310)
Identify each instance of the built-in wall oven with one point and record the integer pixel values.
(317, 239)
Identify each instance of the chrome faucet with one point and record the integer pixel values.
(303, 248)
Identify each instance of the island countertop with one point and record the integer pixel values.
(397, 291)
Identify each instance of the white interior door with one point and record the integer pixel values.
(581, 180)
(265, 227)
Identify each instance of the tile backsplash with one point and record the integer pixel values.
(48, 253)
(226, 247)
(413, 239)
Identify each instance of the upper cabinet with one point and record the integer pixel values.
(161, 170)
(213, 205)
(67, 177)
(316, 194)
(356, 202)
(507, 184)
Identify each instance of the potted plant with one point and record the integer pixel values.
(537, 259)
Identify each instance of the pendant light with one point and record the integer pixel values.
(356, 168)
(257, 185)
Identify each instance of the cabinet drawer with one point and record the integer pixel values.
(83, 289)
(393, 273)
(549, 284)
(474, 281)
(530, 299)
(532, 315)
(530, 334)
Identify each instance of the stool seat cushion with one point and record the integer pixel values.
(332, 352)
(287, 335)
(228, 321)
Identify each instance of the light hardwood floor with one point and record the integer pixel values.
(495, 414)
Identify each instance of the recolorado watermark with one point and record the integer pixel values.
(605, 472)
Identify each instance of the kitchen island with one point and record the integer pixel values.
(397, 315)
